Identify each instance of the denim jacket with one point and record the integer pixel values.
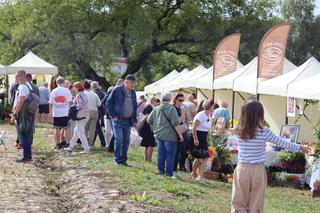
(115, 103)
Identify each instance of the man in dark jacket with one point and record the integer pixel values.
(122, 106)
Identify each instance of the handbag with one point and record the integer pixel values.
(141, 121)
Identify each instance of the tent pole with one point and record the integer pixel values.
(232, 115)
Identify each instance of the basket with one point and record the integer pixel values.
(211, 175)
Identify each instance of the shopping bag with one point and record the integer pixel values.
(135, 139)
(108, 131)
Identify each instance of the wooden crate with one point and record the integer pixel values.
(316, 193)
(289, 184)
(211, 175)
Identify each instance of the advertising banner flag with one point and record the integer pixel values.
(226, 55)
(272, 51)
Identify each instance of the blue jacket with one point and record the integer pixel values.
(115, 103)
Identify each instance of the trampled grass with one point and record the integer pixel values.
(141, 183)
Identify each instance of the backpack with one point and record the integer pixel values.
(73, 112)
(32, 102)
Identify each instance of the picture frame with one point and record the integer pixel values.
(290, 131)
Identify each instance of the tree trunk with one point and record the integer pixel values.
(91, 74)
(135, 65)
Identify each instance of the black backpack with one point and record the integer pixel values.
(73, 112)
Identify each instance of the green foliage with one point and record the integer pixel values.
(222, 153)
(292, 157)
(144, 198)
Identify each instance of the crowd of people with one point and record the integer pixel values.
(175, 124)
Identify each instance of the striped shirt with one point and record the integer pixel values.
(253, 151)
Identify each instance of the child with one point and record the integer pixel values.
(250, 178)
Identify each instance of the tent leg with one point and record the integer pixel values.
(232, 115)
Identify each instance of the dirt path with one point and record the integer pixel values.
(52, 184)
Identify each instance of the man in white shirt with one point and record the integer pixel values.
(93, 104)
(59, 104)
(24, 120)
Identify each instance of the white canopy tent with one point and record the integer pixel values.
(191, 81)
(279, 85)
(307, 85)
(32, 64)
(163, 86)
(177, 84)
(205, 82)
(247, 81)
(150, 89)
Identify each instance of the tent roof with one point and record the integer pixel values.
(247, 81)
(307, 84)
(150, 88)
(205, 82)
(191, 80)
(162, 87)
(279, 85)
(177, 83)
(33, 64)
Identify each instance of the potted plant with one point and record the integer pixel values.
(292, 162)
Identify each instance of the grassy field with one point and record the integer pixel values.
(141, 183)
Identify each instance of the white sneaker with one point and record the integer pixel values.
(69, 149)
(198, 179)
(173, 177)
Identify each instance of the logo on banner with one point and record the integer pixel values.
(272, 54)
(226, 60)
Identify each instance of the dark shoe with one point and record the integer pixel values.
(183, 169)
(63, 144)
(110, 151)
(125, 164)
(23, 160)
(59, 146)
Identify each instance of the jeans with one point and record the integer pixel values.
(181, 154)
(26, 139)
(121, 132)
(166, 155)
(99, 131)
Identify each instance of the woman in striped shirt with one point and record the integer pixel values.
(250, 177)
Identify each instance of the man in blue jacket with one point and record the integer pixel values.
(122, 106)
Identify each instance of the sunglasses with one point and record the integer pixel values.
(180, 100)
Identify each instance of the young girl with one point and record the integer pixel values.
(250, 177)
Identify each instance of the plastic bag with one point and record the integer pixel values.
(135, 139)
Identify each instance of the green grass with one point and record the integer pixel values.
(141, 183)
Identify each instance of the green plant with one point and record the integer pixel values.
(222, 153)
(144, 198)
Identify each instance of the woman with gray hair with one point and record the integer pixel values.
(164, 121)
(109, 138)
(200, 129)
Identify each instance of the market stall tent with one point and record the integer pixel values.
(150, 89)
(32, 64)
(205, 82)
(307, 85)
(247, 81)
(163, 86)
(182, 81)
(191, 81)
(279, 85)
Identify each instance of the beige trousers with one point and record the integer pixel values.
(91, 126)
(249, 185)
